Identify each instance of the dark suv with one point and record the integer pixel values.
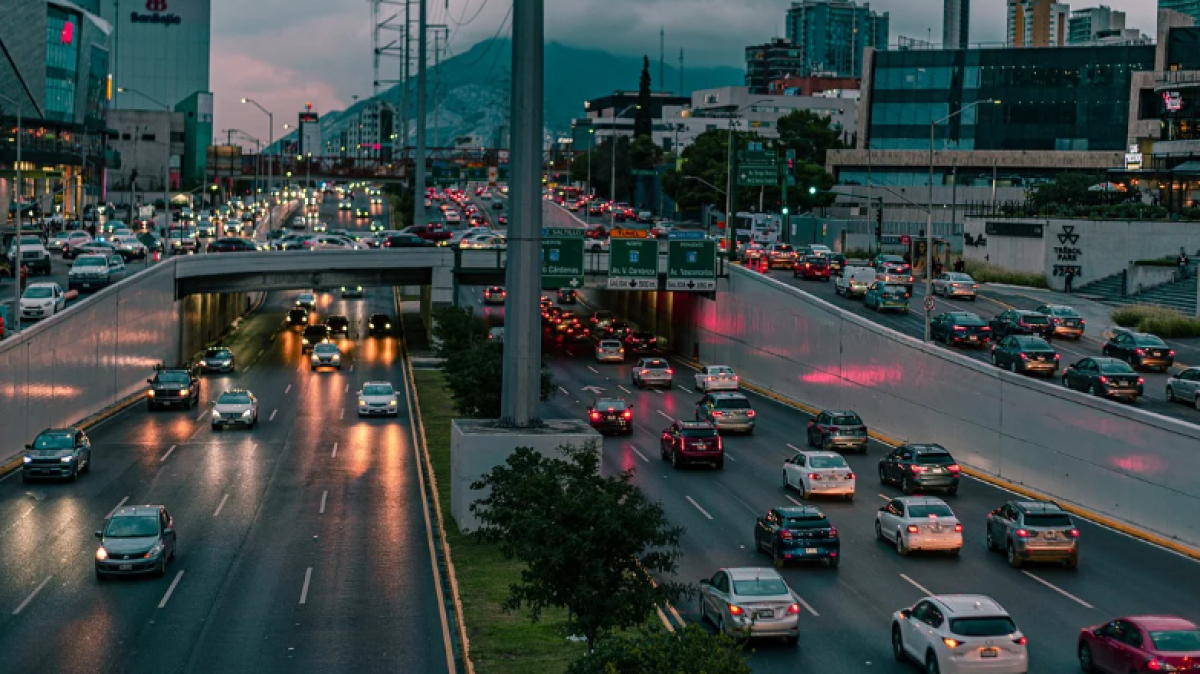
(920, 467)
(688, 442)
(832, 430)
(728, 411)
(641, 342)
(611, 415)
(379, 324)
(298, 317)
(338, 325)
(313, 335)
(173, 387)
(797, 533)
(57, 452)
(1033, 531)
(136, 540)
(1017, 322)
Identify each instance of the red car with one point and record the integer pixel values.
(1148, 643)
(690, 442)
(811, 267)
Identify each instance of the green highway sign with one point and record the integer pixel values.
(643, 172)
(633, 264)
(562, 258)
(749, 158)
(756, 176)
(692, 265)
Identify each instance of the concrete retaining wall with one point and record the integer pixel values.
(1142, 278)
(1111, 459)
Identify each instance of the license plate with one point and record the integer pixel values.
(973, 338)
(125, 567)
(810, 551)
(989, 653)
(764, 614)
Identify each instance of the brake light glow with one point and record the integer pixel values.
(794, 609)
(952, 643)
(814, 476)
(1140, 352)
(1141, 380)
(1020, 641)
(959, 327)
(1024, 356)
(918, 469)
(1057, 357)
(627, 414)
(595, 416)
(1103, 380)
(736, 610)
(750, 413)
(1021, 533)
(1074, 533)
(954, 468)
(1171, 352)
(670, 371)
(849, 476)
(958, 528)
(912, 529)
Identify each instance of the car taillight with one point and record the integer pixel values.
(595, 416)
(958, 528)
(912, 529)
(1103, 380)
(1082, 322)
(1074, 533)
(959, 327)
(1057, 357)
(794, 609)
(954, 468)
(1024, 356)
(1140, 352)
(974, 286)
(918, 469)
(736, 610)
(644, 372)
(717, 413)
(1171, 352)
(1141, 380)
(627, 414)
(785, 535)
(814, 476)
(1020, 641)
(1021, 533)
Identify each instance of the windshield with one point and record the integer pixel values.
(1034, 344)
(1149, 340)
(39, 292)
(172, 378)
(828, 462)
(610, 344)
(813, 259)
(968, 319)
(657, 364)
(604, 404)
(1034, 319)
(1063, 311)
(783, 248)
(132, 527)
(234, 398)
(935, 459)
(326, 348)
(1176, 641)
(217, 353)
(994, 626)
(1047, 520)
(1115, 367)
(699, 432)
(378, 390)
(926, 509)
(733, 404)
(54, 441)
(961, 278)
(847, 420)
(806, 523)
(759, 587)
(90, 262)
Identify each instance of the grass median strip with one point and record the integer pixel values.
(501, 643)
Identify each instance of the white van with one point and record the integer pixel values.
(854, 281)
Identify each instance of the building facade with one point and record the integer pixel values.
(831, 35)
(773, 61)
(1186, 7)
(1037, 23)
(956, 24)
(151, 143)
(161, 50)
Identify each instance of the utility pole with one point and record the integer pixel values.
(438, 32)
(662, 46)
(521, 393)
(422, 53)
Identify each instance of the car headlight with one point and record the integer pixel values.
(362, 403)
(204, 363)
(150, 393)
(67, 459)
(305, 340)
(27, 459)
(388, 325)
(156, 550)
(336, 358)
(101, 553)
(247, 414)
(392, 402)
(185, 391)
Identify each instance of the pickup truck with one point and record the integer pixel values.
(433, 232)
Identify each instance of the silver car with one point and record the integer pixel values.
(1185, 387)
(727, 410)
(236, 407)
(57, 452)
(136, 540)
(326, 355)
(610, 351)
(653, 372)
(750, 602)
(378, 397)
(919, 523)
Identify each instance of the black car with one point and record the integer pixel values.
(832, 429)
(298, 317)
(617, 330)
(173, 387)
(379, 324)
(1018, 322)
(920, 467)
(338, 325)
(1106, 377)
(231, 245)
(641, 342)
(57, 452)
(152, 242)
(602, 319)
(1025, 353)
(611, 415)
(135, 540)
(217, 359)
(1140, 349)
(797, 533)
(960, 327)
(567, 296)
(406, 241)
(1064, 320)
(317, 333)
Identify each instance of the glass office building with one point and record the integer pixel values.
(161, 49)
(1053, 99)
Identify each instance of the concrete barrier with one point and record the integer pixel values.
(1117, 461)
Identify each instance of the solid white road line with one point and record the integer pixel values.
(800, 601)
(273, 413)
(221, 505)
(916, 585)
(664, 415)
(685, 389)
(795, 500)
(288, 389)
(594, 370)
(624, 389)
(347, 389)
(164, 456)
(259, 354)
(1059, 590)
(170, 590)
(324, 495)
(33, 594)
(564, 391)
(334, 455)
(342, 413)
(730, 457)
(884, 497)
(794, 448)
(304, 590)
(110, 513)
(642, 456)
(201, 415)
(702, 510)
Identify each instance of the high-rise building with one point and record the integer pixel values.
(1100, 25)
(956, 24)
(775, 60)
(161, 50)
(1188, 7)
(1037, 23)
(831, 35)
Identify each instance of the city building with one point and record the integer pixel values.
(1187, 7)
(773, 61)
(1101, 25)
(151, 143)
(831, 35)
(812, 85)
(1037, 23)
(54, 66)
(956, 24)
(160, 48)
(197, 111)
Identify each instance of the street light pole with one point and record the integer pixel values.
(15, 318)
(929, 215)
(270, 143)
(167, 168)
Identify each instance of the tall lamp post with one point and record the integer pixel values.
(613, 187)
(270, 142)
(15, 317)
(167, 168)
(929, 216)
(257, 157)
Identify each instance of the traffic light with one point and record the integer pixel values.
(785, 210)
(790, 175)
(879, 222)
(812, 190)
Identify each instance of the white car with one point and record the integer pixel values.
(919, 523)
(233, 227)
(610, 351)
(819, 474)
(326, 355)
(716, 378)
(42, 300)
(378, 397)
(69, 239)
(959, 634)
(452, 217)
(955, 284)
(486, 241)
(236, 407)
(128, 246)
(750, 602)
(820, 250)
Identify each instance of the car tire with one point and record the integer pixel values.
(882, 476)
(906, 486)
(1092, 390)
(1170, 394)
(804, 492)
(1064, 382)
(1012, 367)
(1013, 560)
(662, 452)
(1196, 402)
(675, 462)
(162, 567)
(1085, 659)
(931, 664)
(74, 475)
(833, 562)
(898, 644)
(878, 531)
(901, 549)
(786, 484)
(792, 640)
(776, 558)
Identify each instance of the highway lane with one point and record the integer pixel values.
(255, 510)
(847, 610)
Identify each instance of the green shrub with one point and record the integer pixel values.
(1156, 320)
(990, 273)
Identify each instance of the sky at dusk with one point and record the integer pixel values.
(285, 53)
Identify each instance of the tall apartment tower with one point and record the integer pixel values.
(831, 35)
(956, 24)
(1037, 23)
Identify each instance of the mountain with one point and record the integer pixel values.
(473, 88)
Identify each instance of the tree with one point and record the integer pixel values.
(1068, 189)
(589, 542)
(601, 157)
(455, 330)
(810, 135)
(690, 650)
(643, 121)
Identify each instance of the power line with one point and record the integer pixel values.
(459, 22)
(492, 40)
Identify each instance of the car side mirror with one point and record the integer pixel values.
(99, 535)
(149, 381)
(1098, 632)
(883, 508)
(905, 613)
(28, 446)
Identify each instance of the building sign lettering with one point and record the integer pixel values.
(1068, 255)
(1173, 100)
(158, 14)
(1133, 159)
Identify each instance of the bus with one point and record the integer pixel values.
(762, 228)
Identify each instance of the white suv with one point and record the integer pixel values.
(33, 254)
(958, 634)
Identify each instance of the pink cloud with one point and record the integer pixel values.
(281, 90)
